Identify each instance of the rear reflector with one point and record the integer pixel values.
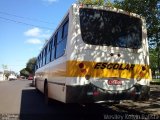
(95, 93)
(81, 65)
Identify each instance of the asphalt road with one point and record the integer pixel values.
(20, 101)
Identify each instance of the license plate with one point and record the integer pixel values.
(114, 82)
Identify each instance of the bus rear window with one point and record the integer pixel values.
(106, 28)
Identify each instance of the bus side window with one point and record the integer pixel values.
(65, 30)
(36, 65)
(38, 62)
(42, 59)
(61, 42)
(59, 37)
(50, 49)
(48, 53)
(53, 51)
(57, 42)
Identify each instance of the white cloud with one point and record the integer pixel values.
(34, 32)
(34, 41)
(50, 1)
(45, 36)
(38, 33)
(37, 36)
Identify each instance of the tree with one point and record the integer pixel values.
(30, 66)
(92, 2)
(86, 1)
(24, 72)
(7, 73)
(145, 8)
(153, 61)
(99, 2)
(148, 9)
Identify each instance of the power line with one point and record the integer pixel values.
(28, 24)
(33, 19)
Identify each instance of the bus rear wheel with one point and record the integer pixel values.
(35, 84)
(46, 92)
(144, 94)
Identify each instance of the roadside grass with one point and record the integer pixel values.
(155, 81)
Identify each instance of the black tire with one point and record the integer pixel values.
(116, 102)
(135, 99)
(36, 84)
(46, 92)
(145, 93)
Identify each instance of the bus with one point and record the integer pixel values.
(96, 54)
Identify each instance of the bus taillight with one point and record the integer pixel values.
(81, 65)
(96, 93)
(143, 68)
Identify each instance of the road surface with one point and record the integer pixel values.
(20, 101)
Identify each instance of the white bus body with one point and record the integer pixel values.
(96, 54)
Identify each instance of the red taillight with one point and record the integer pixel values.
(141, 74)
(81, 65)
(143, 68)
(133, 93)
(96, 93)
(83, 70)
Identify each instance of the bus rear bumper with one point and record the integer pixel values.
(90, 94)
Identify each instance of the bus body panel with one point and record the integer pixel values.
(84, 73)
(57, 91)
(55, 74)
(90, 55)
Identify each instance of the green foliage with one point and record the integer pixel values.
(153, 60)
(29, 68)
(145, 8)
(99, 2)
(85, 1)
(31, 65)
(149, 10)
(6, 73)
(24, 72)
(92, 2)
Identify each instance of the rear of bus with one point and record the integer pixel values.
(109, 58)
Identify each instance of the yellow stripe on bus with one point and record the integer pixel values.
(107, 69)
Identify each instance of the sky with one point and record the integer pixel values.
(24, 27)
